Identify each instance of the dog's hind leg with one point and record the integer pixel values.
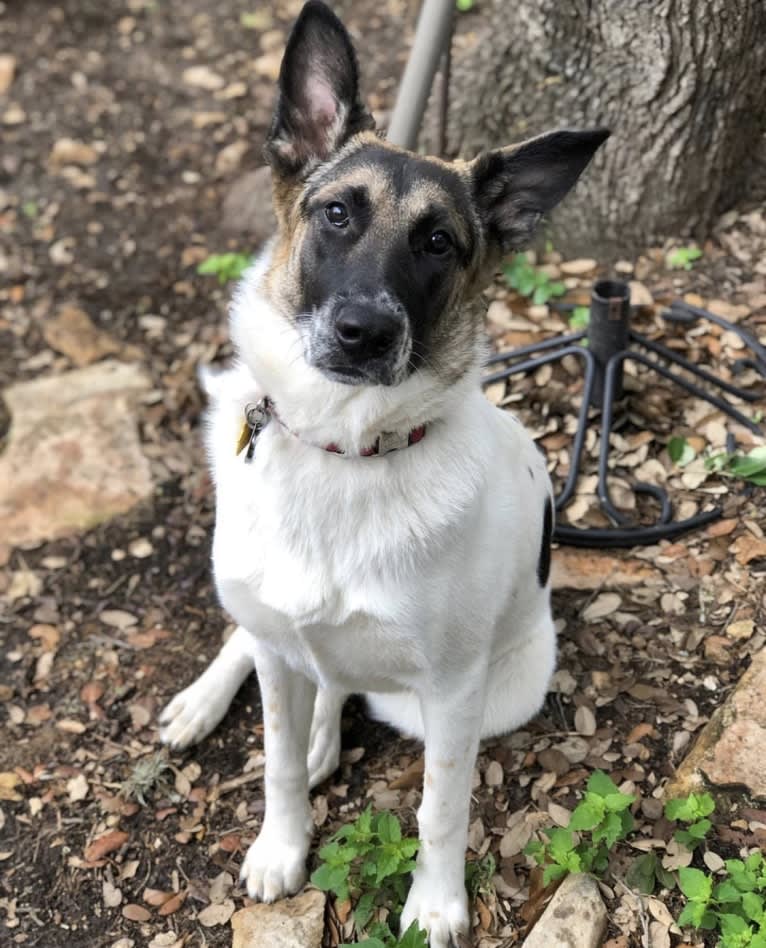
(198, 709)
(324, 743)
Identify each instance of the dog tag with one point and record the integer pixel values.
(256, 418)
(244, 437)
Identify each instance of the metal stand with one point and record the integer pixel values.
(609, 346)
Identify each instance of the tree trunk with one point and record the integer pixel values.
(681, 83)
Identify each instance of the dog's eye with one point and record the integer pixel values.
(336, 214)
(439, 242)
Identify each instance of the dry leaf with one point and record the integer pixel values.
(585, 721)
(111, 894)
(8, 783)
(77, 788)
(136, 913)
(173, 904)
(105, 844)
(218, 914)
(747, 548)
(602, 606)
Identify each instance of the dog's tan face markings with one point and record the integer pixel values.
(381, 252)
(396, 202)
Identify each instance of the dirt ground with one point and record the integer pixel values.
(105, 839)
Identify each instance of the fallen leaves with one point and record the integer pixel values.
(104, 845)
(747, 548)
(8, 783)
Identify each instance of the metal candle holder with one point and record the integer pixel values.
(610, 344)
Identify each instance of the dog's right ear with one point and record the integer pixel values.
(318, 108)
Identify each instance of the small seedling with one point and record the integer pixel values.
(579, 318)
(225, 266)
(680, 451)
(600, 820)
(30, 210)
(750, 467)
(694, 811)
(148, 774)
(370, 863)
(530, 281)
(682, 258)
(478, 876)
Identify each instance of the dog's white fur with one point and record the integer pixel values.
(410, 577)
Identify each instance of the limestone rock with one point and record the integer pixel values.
(575, 917)
(729, 749)
(247, 208)
(291, 923)
(582, 569)
(73, 334)
(73, 457)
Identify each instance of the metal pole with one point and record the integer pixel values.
(432, 38)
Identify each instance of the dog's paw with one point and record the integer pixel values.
(440, 910)
(193, 714)
(324, 750)
(274, 868)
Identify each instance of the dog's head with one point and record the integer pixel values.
(380, 250)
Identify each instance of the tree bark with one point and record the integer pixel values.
(681, 83)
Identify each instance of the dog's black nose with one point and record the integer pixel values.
(364, 332)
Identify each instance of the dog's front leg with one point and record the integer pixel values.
(452, 716)
(275, 864)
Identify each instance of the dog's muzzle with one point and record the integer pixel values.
(359, 341)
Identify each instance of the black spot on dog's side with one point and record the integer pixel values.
(531, 472)
(544, 560)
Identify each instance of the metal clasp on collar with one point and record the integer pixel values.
(257, 416)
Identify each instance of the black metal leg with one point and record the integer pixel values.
(608, 348)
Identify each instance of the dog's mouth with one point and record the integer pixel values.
(365, 342)
(346, 375)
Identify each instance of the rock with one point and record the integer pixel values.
(7, 72)
(73, 457)
(577, 267)
(291, 923)
(230, 158)
(14, 115)
(73, 334)
(575, 917)
(67, 151)
(247, 208)
(203, 77)
(729, 749)
(580, 569)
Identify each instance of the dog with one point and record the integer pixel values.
(381, 528)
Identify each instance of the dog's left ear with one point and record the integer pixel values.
(514, 187)
(318, 108)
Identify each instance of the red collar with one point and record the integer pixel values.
(259, 414)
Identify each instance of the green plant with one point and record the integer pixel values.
(530, 281)
(693, 810)
(225, 266)
(580, 317)
(680, 451)
(148, 774)
(370, 862)
(478, 876)
(465, 5)
(734, 906)
(749, 467)
(682, 258)
(598, 822)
